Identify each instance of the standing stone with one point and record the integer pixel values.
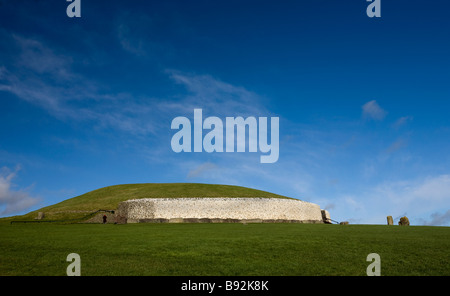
(40, 216)
(390, 221)
(404, 221)
(326, 217)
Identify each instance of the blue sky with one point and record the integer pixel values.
(363, 102)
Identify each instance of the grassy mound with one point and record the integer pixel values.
(108, 198)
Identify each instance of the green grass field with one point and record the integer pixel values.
(210, 249)
(223, 249)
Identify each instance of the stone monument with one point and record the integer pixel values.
(390, 221)
(404, 221)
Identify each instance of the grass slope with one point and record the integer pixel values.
(108, 198)
(223, 249)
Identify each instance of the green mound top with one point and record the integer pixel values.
(108, 198)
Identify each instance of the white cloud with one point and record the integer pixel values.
(13, 201)
(373, 111)
(215, 96)
(438, 219)
(44, 77)
(402, 121)
(432, 189)
(398, 144)
(417, 199)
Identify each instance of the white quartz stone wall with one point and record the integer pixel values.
(220, 208)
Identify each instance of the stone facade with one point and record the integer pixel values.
(218, 210)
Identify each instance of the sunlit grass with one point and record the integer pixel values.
(223, 249)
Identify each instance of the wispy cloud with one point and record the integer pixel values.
(34, 55)
(45, 78)
(402, 121)
(201, 170)
(372, 110)
(439, 219)
(215, 96)
(432, 189)
(415, 198)
(13, 201)
(397, 145)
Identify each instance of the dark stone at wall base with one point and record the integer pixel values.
(123, 220)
